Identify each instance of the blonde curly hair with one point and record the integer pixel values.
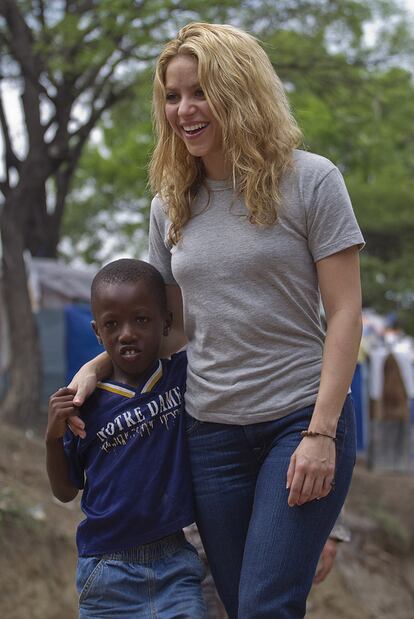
(248, 100)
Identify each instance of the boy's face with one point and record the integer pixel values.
(130, 325)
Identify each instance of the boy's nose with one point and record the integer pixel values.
(127, 334)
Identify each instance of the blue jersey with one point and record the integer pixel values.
(133, 465)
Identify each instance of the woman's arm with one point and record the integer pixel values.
(83, 385)
(312, 465)
(85, 380)
(176, 338)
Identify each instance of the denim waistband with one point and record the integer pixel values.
(147, 553)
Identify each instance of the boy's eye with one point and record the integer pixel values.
(110, 324)
(142, 319)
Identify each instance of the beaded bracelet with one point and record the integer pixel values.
(312, 434)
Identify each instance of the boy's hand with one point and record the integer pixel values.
(62, 410)
(326, 561)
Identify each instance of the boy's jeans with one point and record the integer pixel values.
(160, 582)
(262, 553)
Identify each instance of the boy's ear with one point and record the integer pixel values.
(95, 328)
(167, 323)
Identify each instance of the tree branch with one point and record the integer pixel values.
(41, 12)
(20, 44)
(83, 132)
(11, 159)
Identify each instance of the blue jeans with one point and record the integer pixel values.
(155, 581)
(262, 553)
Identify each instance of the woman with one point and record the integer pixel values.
(250, 234)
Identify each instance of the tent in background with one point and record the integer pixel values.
(60, 297)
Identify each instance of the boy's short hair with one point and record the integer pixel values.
(129, 270)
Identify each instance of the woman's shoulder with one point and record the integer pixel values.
(310, 164)
(158, 204)
(159, 209)
(309, 172)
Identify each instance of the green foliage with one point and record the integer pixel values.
(359, 114)
(111, 187)
(354, 99)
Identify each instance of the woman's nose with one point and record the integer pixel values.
(186, 107)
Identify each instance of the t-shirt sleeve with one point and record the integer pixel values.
(76, 470)
(331, 222)
(159, 254)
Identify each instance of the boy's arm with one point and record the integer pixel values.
(57, 467)
(60, 410)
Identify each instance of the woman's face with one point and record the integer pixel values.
(190, 116)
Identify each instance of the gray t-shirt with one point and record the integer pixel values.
(250, 293)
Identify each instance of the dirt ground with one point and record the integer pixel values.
(373, 577)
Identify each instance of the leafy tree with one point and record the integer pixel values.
(354, 100)
(365, 127)
(297, 34)
(107, 212)
(72, 61)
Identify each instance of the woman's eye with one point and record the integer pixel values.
(199, 93)
(110, 324)
(142, 319)
(171, 97)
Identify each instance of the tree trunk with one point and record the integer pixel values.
(22, 402)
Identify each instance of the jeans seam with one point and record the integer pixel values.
(151, 587)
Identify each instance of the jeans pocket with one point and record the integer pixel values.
(88, 570)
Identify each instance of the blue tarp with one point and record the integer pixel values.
(80, 341)
(358, 388)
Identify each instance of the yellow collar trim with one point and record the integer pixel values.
(153, 380)
(128, 393)
(116, 389)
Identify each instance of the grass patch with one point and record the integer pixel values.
(395, 535)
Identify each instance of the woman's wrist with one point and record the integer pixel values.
(98, 368)
(314, 434)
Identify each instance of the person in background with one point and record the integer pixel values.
(251, 234)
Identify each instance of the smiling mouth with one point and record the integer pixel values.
(194, 129)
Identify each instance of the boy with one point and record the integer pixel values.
(131, 463)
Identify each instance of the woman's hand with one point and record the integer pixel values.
(83, 384)
(311, 470)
